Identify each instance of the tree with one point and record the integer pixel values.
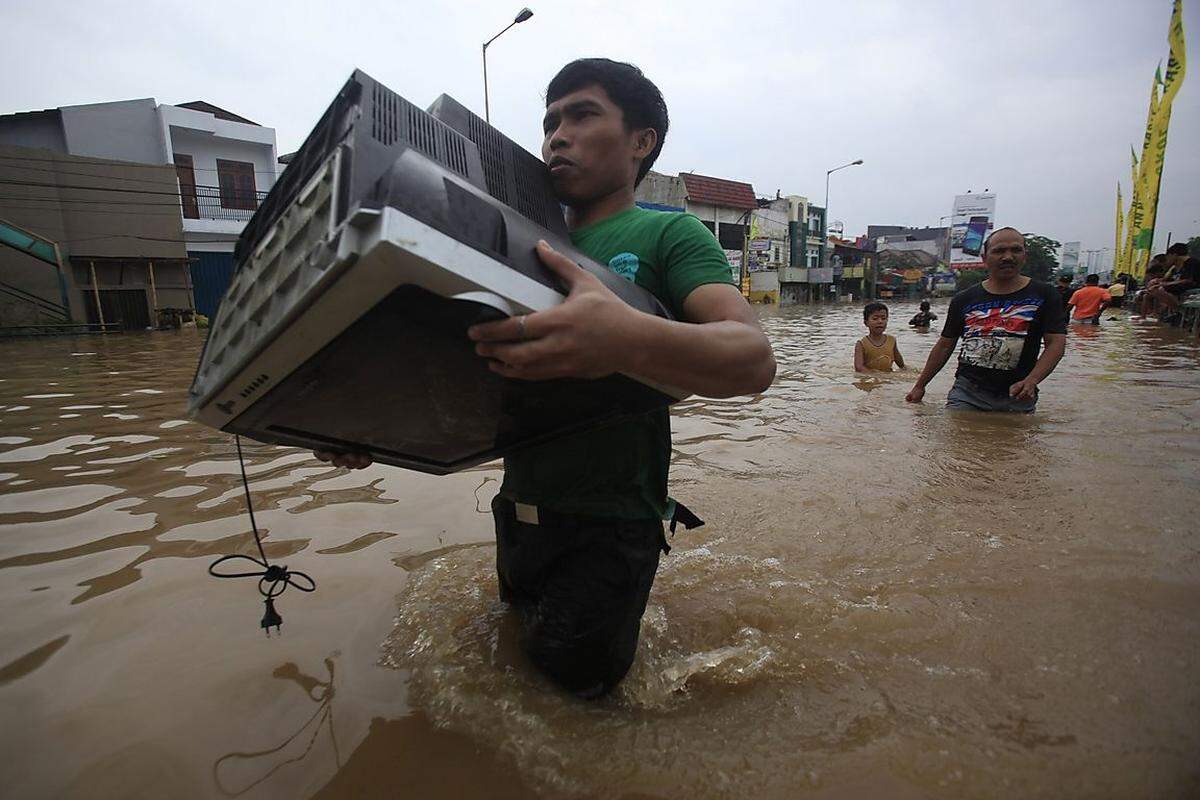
(1040, 261)
(966, 278)
(1194, 246)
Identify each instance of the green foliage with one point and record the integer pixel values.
(1040, 261)
(967, 278)
(1194, 246)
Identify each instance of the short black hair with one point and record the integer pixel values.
(1062, 278)
(924, 305)
(1178, 249)
(640, 101)
(988, 240)
(871, 308)
(1092, 279)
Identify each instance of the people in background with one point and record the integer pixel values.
(1183, 275)
(1155, 271)
(1002, 322)
(876, 351)
(1089, 301)
(1064, 289)
(1116, 290)
(924, 317)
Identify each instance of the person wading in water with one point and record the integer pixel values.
(579, 521)
(1002, 323)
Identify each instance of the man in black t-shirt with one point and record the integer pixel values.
(1184, 275)
(1002, 323)
(1064, 289)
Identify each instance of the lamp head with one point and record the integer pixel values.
(523, 15)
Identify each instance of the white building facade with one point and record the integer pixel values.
(225, 165)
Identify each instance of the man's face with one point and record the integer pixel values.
(588, 149)
(1005, 255)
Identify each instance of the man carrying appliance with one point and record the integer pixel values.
(579, 521)
(1002, 322)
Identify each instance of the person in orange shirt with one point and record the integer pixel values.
(1089, 300)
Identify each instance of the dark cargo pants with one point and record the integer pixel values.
(580, 585)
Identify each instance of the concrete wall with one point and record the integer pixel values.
(41, 129)
(87, 222)
(664, 190)
(715, 213)
(124, 131)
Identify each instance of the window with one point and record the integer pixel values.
(732, 236)
(236, 179)
(187, 185)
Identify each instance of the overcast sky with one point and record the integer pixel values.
(1037, 101)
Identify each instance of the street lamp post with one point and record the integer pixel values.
(824, 232)
(522, 15)
(948, 231)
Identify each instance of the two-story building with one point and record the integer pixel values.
(724, 206)
(798, 260)
(224, 165)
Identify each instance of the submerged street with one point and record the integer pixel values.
(887, 599)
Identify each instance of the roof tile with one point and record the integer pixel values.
(719, 191)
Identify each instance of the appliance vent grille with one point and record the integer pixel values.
(384, 115)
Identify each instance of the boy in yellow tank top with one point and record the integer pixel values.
(876, 351)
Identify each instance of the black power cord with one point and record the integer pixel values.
(273, 579)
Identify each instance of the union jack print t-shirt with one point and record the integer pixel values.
(1002, 333)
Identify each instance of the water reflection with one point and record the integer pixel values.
(232, 770)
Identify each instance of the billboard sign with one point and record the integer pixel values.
(974, 218)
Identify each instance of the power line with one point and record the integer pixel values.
(127, 236)
(4, 206)
(90, 188)
(100, 202)
(122, 165)
(166, 182)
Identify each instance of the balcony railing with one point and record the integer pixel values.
(213, 202)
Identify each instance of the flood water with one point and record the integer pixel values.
(888, 600)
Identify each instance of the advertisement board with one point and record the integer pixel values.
(974, 218)
(735, 263)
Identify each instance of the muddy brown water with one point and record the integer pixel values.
(887, 601)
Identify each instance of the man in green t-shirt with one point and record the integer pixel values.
(579, 521)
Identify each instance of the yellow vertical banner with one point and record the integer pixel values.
(1132, 219)
(1153, 161)
(1140, 254)
(1118, 264)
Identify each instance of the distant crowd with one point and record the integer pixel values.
(1004, 321)
(1169, 277)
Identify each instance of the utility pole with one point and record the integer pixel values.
(745, 270)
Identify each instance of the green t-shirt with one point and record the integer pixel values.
(620, 469)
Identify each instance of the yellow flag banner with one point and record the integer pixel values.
(1139, 251)
(1132, 219)
(1152, 162)
(1118, 266)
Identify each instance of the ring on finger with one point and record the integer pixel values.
(521, 327)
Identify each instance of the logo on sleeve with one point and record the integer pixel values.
(624, 264)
